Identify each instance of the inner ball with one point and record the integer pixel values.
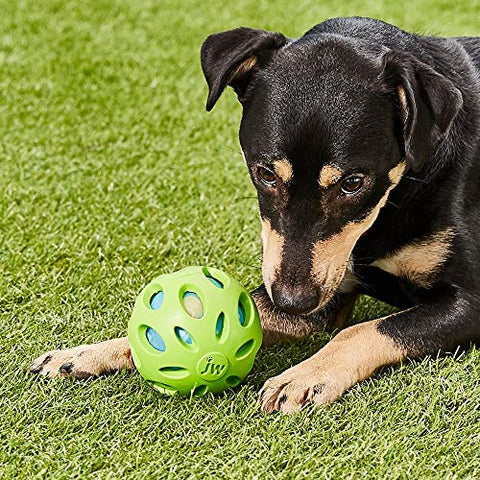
(193, 304)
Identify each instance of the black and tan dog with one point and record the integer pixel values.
(363, 143)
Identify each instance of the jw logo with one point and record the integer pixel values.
(212, 368)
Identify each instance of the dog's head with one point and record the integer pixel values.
(329, 126)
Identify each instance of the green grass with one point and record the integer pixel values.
(111, 172)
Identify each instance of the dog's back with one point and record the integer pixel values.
(392, 37)
(472, 47)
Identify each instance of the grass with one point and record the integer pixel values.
(111, 172)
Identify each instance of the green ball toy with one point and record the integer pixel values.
(194, 331)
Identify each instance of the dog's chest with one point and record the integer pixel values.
(420, 261)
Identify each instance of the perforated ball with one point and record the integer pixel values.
(194, 331)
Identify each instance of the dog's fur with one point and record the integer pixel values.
(363, 143)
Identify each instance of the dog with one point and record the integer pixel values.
(361, 140)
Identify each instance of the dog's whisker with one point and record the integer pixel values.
(256, 267)
(393, 204)
(248, 197)
(414, 179)
(233, 150)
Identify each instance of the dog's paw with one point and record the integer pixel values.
(85, 361)
(78, 362)
(297, 387)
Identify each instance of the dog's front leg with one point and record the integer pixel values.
(112, 355)
(85, 360)
(358, 351)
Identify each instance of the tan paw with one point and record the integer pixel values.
(350, 357)
(85, 361)
(297, 387)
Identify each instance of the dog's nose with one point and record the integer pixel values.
(296, 300)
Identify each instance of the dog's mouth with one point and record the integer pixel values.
(303, 298)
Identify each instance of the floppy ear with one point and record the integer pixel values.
(231, 58)
(429, 103)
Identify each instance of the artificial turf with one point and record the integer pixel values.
(111, 173)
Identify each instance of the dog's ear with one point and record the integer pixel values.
(429, 103)
(232, 58)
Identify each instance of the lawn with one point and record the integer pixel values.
(111, 172)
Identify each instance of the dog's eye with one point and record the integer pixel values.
(267, 176)
(351, 184)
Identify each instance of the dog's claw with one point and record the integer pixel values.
(295, 389)
(60, 362)
(37, 366)
(85, 361)
(66, 368)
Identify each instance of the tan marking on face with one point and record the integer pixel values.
(421, 260)
(395, 175)
(353, 355)
(403, 102)
(329, 175)
(283, 168)
(245, 67)
(330, 257)
(272, 243)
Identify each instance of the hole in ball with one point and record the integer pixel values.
(174, 372)
(244, 350)
(183, 336)
(156, 300)
(241, 313)
(199, 391)
(211, 278)
(155, 340)
(215, 281)
(219, 325)
(193, 304)
(233, 380)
